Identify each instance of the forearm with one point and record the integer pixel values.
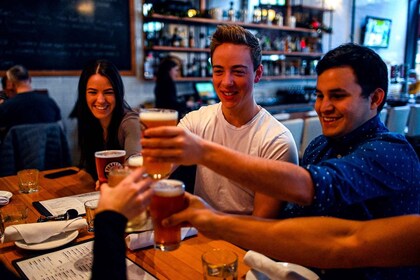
(266, 206)
(327, 242)
(282, 180)
(109, 246)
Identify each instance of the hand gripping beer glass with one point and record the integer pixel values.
(168, 199)
(116, 175)
(107, 160)
(155, 117)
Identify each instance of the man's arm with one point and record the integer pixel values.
(281, 180)
(266, 206)
(321, 242)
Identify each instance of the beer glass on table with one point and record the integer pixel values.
(155, 117)
(106, 161)
(168, 199)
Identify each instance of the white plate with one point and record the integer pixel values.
(50, 243)
(306, 273)
(6, 194)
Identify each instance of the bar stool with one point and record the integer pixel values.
(311, 129)
(414, 121)
(383, 114)
(296, 128)
(397, 119)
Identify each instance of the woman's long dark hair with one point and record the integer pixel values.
(90, 132)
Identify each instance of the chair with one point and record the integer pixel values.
(414, 121)
(296, 128)
(413, 131)
(397, 119)
(383, 114)
(42, 146)
(311, 129)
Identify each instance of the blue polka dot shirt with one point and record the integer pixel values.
(369, 173)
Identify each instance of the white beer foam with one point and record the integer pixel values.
(110, 153)
(135, 161)
(167, 187)
(159, 116)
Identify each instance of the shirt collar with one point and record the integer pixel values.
(365, 131)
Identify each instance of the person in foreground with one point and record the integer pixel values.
(104, 119)
(116, 206)
(239, 123)
(322, 242)
(356, 170)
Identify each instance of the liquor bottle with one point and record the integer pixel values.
(176, 38)
(191, 41)
(231, 12)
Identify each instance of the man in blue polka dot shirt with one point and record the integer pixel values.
(355, 170)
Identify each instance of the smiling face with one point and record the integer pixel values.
(100, 98)
(234, 76)
(339, 103)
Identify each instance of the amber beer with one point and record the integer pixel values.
(136, 223)
(168, 199)
(155, 117)
(107, 160)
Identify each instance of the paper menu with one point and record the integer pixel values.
(59, 206)
(74, 262)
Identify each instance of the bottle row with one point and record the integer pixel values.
(184, 37)
(311, 18)
(198, 65)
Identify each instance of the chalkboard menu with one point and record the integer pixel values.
(56, 36)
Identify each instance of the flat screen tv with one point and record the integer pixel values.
(205, 90)
(376, 32)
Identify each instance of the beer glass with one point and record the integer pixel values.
(107, 160)
(168, 199)
(136, 223)
(135, 161)
(220, 264)
(155, 117)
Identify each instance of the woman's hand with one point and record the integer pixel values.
(130, 197)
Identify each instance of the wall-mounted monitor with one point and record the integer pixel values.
(205, 91)
(376, 32)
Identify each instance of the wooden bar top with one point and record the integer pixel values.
(183, 263)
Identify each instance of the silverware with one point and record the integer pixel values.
(70, 214)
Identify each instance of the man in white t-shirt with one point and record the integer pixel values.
(237, 122)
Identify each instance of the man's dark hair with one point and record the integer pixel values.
(370, 70)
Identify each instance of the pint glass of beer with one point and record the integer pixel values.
(155, 117)
(135, 161)
(168, 199)
(107, 160)
(137, 223)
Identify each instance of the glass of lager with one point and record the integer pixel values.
(155, 117)
(107, 160)
(134, 162)
(137, 223)
(168, 199)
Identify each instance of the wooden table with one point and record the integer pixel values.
(183, 263)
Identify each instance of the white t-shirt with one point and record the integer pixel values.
(263, 136)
